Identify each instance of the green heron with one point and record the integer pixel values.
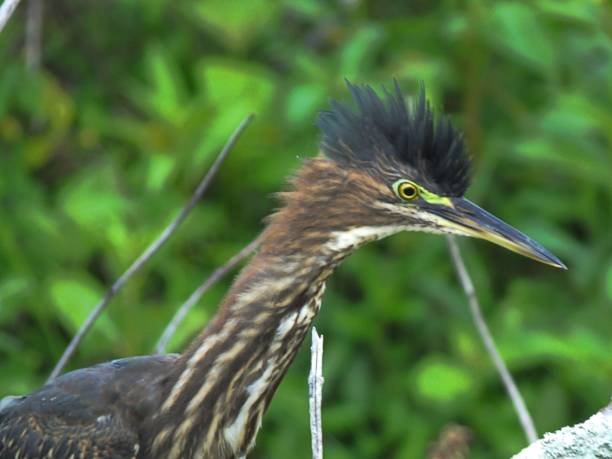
(384, 167)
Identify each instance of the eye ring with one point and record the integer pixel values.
(406, 190)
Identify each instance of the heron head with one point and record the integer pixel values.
(388, 167)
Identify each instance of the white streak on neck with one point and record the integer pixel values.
(286, 324)
(235, 431)
(354, 237)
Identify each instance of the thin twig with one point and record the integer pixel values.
(6, 10)
(315, 394)
(513, 392)
(33, 34)
(182, 312)
(151, 250)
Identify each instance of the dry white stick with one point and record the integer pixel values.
(150, 251)
(315, 394)
(33, 34)
(6, 10)
(489, 343)
(590, 439)
(217, 274)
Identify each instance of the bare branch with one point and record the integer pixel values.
(6, 10)
(315, 394)
(182, 312)
(151, 250)
(590, 439)
(489, 343)
(33, 34)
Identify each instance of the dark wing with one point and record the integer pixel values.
(27, 433)
(90, 413)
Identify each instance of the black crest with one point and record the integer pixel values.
(387, 132)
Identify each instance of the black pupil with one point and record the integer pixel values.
(409, 191)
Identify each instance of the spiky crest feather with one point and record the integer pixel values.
(384, 134)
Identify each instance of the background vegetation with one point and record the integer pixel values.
(102, 145)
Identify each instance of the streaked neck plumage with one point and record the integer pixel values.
(226, 379)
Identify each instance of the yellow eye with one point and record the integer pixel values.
(406, 190)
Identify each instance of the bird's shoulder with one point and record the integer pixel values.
(91, 412)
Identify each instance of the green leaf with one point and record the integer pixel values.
(94, 200)
(236, 22)
(517, 30)
(74, 300)
(303, 102)
(234, 89)
(160, 168)
(441, 381)
(359, 52)
(165, 96)
(574, 116)
(608, 281)
(577, 10)
(10, 286)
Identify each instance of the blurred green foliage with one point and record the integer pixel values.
(101, 147)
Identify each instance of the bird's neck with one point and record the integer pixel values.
(226, 379)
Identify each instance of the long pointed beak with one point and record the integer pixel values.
(466, 218)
